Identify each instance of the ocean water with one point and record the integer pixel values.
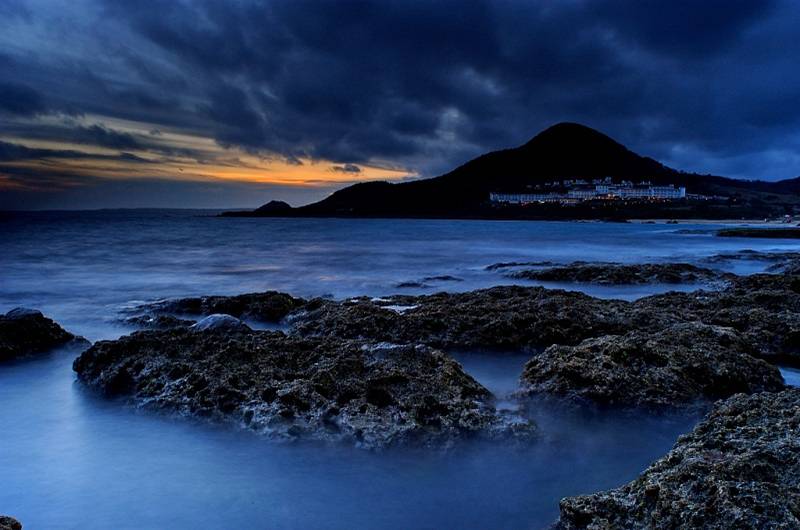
(73, 460)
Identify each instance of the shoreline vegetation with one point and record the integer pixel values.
(375, 373)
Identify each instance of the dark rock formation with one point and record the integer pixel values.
(514, 264)
(764, 308)
(770, 233)
(286, 387)
(26, 331)
(753, 255)
(269, 306)
(219, 322)
(158, 322)
(616, 274)
(681, 365)
(500, 318)
(740, 468)
(9, 523)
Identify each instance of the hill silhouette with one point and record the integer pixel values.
(563, 151)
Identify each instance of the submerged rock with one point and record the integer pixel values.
(770, 233)
(682, 365)
(26, 331)
(269, 306)
(289, 387)
(617, 274)
(739, 468)
(9, 523)
(514, 264)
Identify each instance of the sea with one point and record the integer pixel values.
(72, 459)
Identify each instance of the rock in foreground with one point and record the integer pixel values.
(508, 317)
(681, 365)
(9, 523)
(287, 387)
(269, 306)
(740, 468)
(26, 331)
(616, 274)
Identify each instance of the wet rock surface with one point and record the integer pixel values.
(157, 322)
(508, 317)
(269, 306)
(24, 332)
(681, 365)
(764, 308)
(290, 387)
(618, 274)
(9, 523)
(739, 468)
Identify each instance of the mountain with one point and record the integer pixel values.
(563, 151)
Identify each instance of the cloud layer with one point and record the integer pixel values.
(418, 87)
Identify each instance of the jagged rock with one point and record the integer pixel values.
(617, 274)
(287, 387)
(739, 468)
(509, 317)
(514, 264)
(158, 322)
(269, 306)
(9, 523)
(219, 322)
(26, 331)
(682, 365)
(764, 308)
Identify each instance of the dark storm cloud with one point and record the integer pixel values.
(426, 83)
(20, 100)
(711, 86)
(104, 137)
(347, 168)
(10, 152)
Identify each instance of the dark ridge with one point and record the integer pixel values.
(565, 150)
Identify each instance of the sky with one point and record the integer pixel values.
(212, 104)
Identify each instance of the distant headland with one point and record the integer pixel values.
(568, 171)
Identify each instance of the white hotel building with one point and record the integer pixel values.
(600, 191)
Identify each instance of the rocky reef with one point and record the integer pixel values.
(508, 317)
(764, 308)
(618, 274)
(290, 387)
(739, 468)
(678, 366)
(24, 332)
(269, 306)
(9, 523)
(769, 233)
